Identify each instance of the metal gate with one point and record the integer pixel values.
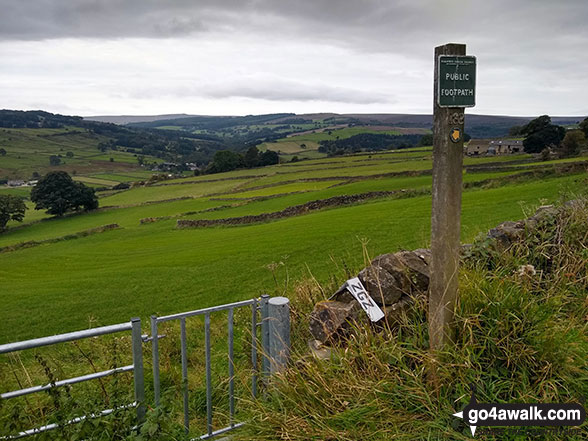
(137, 368)
(271, 315)
(275, 328)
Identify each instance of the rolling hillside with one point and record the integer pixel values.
(28, 153)
(313, 215)
(35, 142)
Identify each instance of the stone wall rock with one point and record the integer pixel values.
(392, 280)
(384, 287)
(395, 280)
(507, 232)
(330, 318)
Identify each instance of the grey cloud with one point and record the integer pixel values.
(273, 89)
(383, 24)
(292, 91)
(529, 47)
(47, 19)
(529, 35)
(503, 31)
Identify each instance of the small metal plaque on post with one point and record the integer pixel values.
(355, 287)
(457, 81)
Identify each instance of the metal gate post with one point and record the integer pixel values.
(265, 337)
(137, 341)
(155, 357)
(279, 331)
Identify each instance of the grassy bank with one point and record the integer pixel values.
(519, 339)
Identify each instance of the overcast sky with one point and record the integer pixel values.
(234, 57)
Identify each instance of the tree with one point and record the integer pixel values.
(69, 154)
(251, 158)
(54, 160)
(225, 160)
(58, 192)
(573, 142)
(426, 139)
(541, 133)
(11, 208)
(536, 125)
(584, 127)
(2, 152)
(269, 157)
(515, 131)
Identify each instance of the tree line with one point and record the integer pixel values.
(368, 142)
(227, 160)
(541, 136)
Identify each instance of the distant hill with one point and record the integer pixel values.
(31, 138)
(478, 126)
(126, 119)
(36, 142)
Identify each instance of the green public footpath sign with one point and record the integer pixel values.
(457, 81)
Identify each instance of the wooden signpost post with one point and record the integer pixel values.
(454, 89)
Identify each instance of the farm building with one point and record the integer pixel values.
(488, 147)
(477, 147)
(15, 183)
(505, 147)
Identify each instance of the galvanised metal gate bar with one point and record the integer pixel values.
(137, 367)
(256, 305)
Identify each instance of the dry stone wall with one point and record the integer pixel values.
(396, 280)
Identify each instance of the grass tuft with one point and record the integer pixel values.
(520, 338)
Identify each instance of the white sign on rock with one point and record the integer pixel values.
(355, 287)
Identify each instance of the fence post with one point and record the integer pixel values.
(155, 357)
(265, 337)
(279, 333)
(254, 348)
(446, 209)
(137, 341)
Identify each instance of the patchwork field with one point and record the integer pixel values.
(306, 144)
(29, 150)
(59, 282)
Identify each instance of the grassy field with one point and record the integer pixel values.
(145, 268)
(65, 282)
(304, 143)
(29, 150)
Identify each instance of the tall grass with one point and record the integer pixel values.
(521, 338)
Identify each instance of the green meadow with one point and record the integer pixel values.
(152, 267)
(305, 144)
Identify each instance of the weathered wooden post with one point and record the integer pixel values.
(454, 89)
